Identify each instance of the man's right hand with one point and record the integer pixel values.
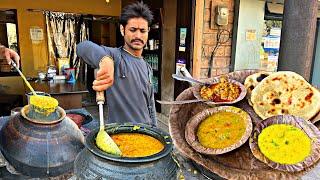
(105, 75)
(9, 55)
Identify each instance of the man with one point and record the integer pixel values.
(123, 73)
(9, 55)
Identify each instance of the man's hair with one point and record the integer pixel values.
(136, 10)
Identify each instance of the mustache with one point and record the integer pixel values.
(134, 40)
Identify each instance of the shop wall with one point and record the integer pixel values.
(251, 17)
(208, 39)
(34, 57)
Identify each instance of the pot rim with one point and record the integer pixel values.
(115, 128)
(25, 109)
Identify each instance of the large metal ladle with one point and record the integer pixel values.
(23, 77)
(103, 140)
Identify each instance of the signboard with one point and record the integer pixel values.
(182, 42)
(36, 34)
(251, 35)
(179, 64)
(271, 46)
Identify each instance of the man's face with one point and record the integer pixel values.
(136, 33)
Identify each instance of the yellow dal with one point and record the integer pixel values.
(221, 130)
(284, 144)
(136, 144)
(43, 104)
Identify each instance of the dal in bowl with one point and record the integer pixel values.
(218, 130)
(286, 143)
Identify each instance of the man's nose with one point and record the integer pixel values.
(138, 34)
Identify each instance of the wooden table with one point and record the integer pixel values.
(69, 95)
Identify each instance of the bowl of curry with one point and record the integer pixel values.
(137, 142)
(286, 143)
(221, 91)
(218, 130)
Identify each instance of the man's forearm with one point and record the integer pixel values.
(106, 61)
(90, 52)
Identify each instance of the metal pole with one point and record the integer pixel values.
(298, 36)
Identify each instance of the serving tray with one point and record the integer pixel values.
(237, 164)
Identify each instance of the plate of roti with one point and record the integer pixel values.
(282, 92)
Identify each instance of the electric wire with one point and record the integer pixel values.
(223, 36)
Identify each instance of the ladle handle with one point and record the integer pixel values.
(23, 77)
(188, 79)
(180, 102)
(100, 97)
(100, 101)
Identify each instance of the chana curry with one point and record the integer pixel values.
(284, 144)
(224, 91)
(221, 130)
(137, 144)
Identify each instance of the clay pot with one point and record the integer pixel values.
(39, 148)
(92, 163)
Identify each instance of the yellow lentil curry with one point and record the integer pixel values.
(221, 130)
(137, 145)
(221, 92)
(284, 144)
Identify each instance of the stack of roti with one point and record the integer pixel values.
(252, 81)
(285, 92)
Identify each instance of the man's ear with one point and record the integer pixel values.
(122, 30)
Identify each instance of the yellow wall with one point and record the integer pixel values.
(34, 57)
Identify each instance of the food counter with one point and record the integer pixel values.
(187, 168)
(241, 159)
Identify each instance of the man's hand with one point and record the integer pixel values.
(9, 55)
(105, 75)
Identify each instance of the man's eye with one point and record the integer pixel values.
(143, 31)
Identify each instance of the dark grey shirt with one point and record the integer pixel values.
(130, 98)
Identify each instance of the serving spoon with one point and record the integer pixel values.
(188, 79)
(180, 102)
(103, 140)
(23, 77)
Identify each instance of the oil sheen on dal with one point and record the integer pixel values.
(221, 130)
(136, 144)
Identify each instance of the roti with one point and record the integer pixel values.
(285, 92)
(252, 81)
